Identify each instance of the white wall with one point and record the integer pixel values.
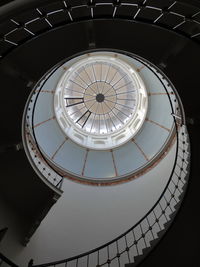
(86, 217)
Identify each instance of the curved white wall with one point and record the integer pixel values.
(86, 217)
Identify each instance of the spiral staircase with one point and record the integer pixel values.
(38, 41)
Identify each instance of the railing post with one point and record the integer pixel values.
(30, 264)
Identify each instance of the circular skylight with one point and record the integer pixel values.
(100, 101)
(125, 153)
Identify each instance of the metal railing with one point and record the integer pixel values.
(176, 16)
(37, 160)
(55, 174)
(48, 15)
(128, 246)
(137, 240)
(5, 260)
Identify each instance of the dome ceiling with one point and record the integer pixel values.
(100, 113)
(50, 113)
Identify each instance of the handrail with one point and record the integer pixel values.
(6, 260)
(15, 7)
(132, 228)
(179, 127)
(33, 152)
(30, 110)
(181, 139)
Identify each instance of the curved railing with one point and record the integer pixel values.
(137, 240)
(47, 168)
(27, 25)
(35, 156)
(6, 261)
(179, 17)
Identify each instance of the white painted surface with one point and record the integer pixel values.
(114, 118)
(87, 216)
(128, 157)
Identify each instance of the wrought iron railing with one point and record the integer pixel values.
(137, 240)
(37, 160)
(180, 17)
(22, 27)
(43, 163)
(5, 261)
(19, 27)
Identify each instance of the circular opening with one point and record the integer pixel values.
(60, 149)
(101, 100)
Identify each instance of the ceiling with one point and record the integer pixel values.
(178, 56)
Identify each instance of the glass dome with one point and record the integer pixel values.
(78, 145)
(100, 101)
